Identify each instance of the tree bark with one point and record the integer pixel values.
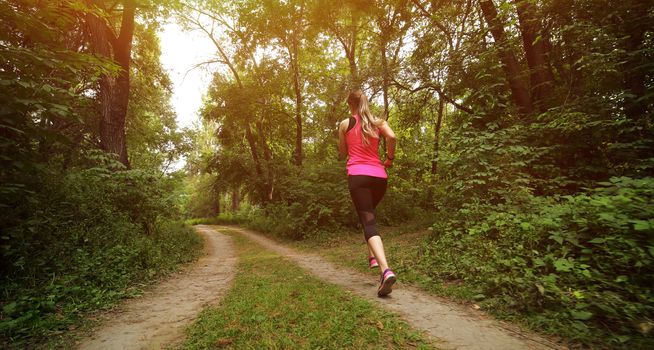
(634, 73)
(437, 133)
(519, 89)
(114, 91)
(267, 156)
(385, 80)
(236, 199)
(297, 88)
(215, 202)
(537, 53)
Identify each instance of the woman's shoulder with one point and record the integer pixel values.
(379, 122)
(343, 123)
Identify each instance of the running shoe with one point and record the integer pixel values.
(387, 280)
(373, 262)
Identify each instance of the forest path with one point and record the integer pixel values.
(158, 320)
(452, 325)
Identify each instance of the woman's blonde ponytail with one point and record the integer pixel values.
(369, 122)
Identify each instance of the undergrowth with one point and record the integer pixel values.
(80, 242)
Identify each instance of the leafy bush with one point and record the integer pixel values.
(583, 262)
(307, 200)
(221, 219)
(81, 241)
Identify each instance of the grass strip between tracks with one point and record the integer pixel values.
(274, 304)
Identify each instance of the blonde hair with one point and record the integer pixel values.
(369, 123)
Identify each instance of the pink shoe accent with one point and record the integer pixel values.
(373, 262)
(387, 280)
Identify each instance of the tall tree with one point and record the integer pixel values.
(206, 18)
(294, 59)
(392, 22)
(114, 90)
(510, 65)
(290, 29)
(346, 21)
(537, 51)
(639, 21)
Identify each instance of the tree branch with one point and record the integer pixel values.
(438, 90)
(439, 25)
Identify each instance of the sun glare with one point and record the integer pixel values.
(181, 52)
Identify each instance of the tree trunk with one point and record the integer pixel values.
(437, 133)
(351, 54)
(385, 79)
(537, 52)
(519, 89)
(634, 72)
(253, 147)
(295, 65)
(267, 155)
(114, 91)
(215, 202)
(383, 45)
(236, 200)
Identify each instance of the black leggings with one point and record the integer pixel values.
(366, 192)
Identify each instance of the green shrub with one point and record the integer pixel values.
(227, 218)
(80, 242)
(315, 200)
(583, 264)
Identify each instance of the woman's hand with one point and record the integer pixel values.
(388, 163)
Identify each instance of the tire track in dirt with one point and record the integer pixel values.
(453, 326)
(158, 320)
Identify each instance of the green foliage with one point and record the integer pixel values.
(583, 262)
(78, 231)
(241, 217)
(311, 199)
(42, 83)
(81, 241)
(315, 201)
(545, 213)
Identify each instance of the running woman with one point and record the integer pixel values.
(367, 178)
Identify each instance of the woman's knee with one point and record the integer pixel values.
(370, 231)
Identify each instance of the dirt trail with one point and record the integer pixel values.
(452, 325)
(157, 320)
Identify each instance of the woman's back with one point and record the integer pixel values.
(363, 158)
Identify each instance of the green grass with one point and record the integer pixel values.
(276, 305)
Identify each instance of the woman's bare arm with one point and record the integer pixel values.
(386, 131)
(342, 145)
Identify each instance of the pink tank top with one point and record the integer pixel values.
(363, 159)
